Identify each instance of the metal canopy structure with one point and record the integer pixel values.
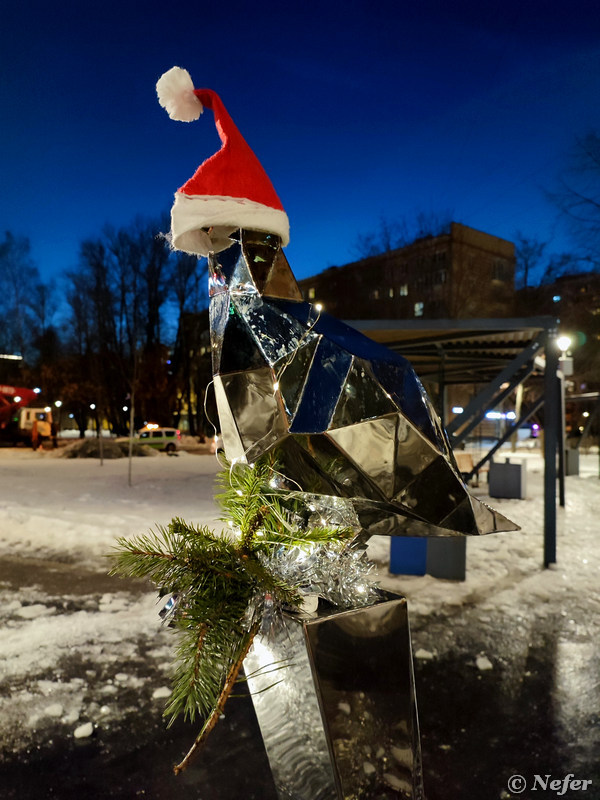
(457, 351)
(497, 355)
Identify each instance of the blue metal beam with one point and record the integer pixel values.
(551, 423)
(487, 396)
(507, 434)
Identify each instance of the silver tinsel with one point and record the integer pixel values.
(336, 573)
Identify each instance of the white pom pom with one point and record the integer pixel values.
(175, 91)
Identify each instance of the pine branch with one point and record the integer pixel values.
(220, 704)
(222, 583)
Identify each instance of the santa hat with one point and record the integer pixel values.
(230, 190)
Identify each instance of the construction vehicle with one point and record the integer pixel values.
(21, 423)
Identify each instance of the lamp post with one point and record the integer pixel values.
(93, 408)
(56, 425)
(565, 368)
(565, 362)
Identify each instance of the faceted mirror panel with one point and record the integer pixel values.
(435, 492)
(361, 398)
(281, 281)
(292, 372)
(372, 447)
(256, 408)
(278, 335)
(239, 350)
(324, 382)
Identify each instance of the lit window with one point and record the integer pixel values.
(500, 271)
(419, 309)
(375, 294)
(390, 292)
(404, 290)
(311, 293)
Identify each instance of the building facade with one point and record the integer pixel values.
(575, 300)
(461, 274)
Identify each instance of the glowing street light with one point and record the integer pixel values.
(565, 361)
(564, 342)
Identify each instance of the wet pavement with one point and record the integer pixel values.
(536, 712)
(135, 758)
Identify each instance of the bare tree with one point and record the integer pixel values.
(187, 276)
(528, 254)
(578, 197)
(18, 278)
(117, 298)
(392, 234)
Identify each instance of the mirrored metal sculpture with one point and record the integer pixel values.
(344, 416)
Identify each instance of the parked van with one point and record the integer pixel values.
(167, 439)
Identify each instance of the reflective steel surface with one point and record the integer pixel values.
(340, 721)
(345, 417)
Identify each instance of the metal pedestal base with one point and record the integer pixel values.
(341, 721)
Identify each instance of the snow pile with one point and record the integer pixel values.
(105, 448)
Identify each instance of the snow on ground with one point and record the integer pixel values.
(59, 613)
(79, 650)
(73, 509)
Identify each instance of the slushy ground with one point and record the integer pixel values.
(507, 662)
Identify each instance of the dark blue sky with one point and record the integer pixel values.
(356, 110)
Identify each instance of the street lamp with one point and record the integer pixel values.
(564, 342)
(565, 362)
(93, 409)
(58, 405)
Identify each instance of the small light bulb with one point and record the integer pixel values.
(318, 307)
(276, 386)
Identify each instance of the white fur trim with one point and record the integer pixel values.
(191, 213)
(175, 91)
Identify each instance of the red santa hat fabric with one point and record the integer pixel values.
(230, 190)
